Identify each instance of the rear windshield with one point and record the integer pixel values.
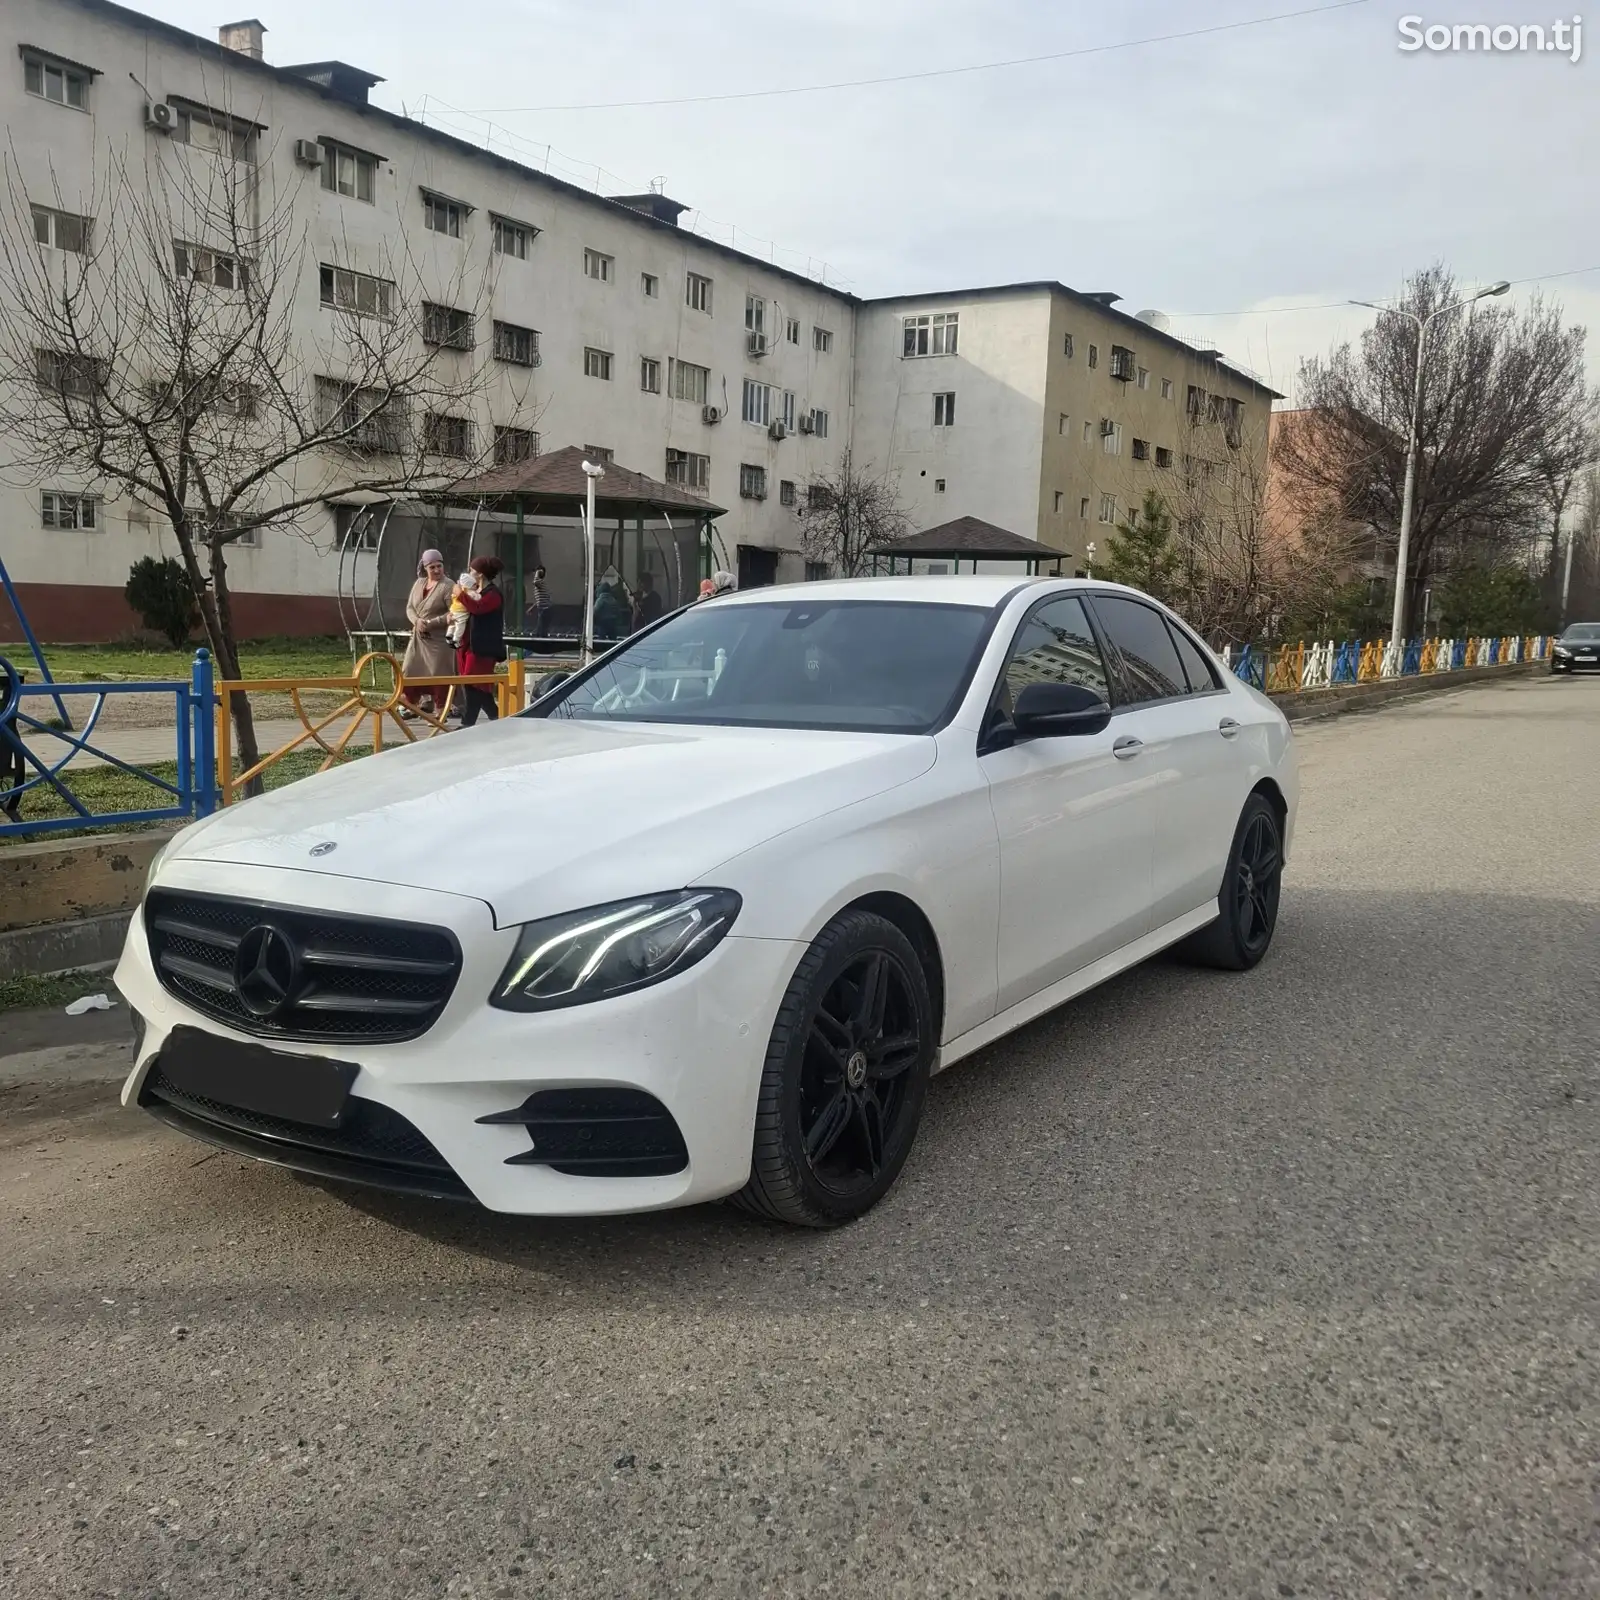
(867, 665)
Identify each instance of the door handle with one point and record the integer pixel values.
(1227, 727)
(1127, 747)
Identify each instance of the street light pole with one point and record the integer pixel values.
(1402, 560)
(592, 472)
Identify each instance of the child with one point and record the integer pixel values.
(456, 629)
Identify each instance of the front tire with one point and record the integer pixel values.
(1251, 888)
(845, 1077)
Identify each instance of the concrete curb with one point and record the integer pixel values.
(50, 947)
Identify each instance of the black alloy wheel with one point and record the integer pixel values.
(845, 1076)
(1252, 885)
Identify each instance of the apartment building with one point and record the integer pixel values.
(1048, 412)
(590, 320)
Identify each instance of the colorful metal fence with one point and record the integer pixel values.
(1289, 668)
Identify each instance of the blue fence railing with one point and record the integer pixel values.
(40, 754)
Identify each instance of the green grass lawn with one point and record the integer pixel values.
(124, 663)
(104, 789)
(32, 991)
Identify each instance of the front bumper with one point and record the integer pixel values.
(695, 1043)
(1575, 663)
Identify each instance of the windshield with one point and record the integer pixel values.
(863, 665)
(1585, 632)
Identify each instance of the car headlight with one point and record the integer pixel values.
(155, 862)
(1561, 650)
(611, 949)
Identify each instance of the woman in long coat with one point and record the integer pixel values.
(428, 653)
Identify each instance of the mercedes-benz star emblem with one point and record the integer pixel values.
(326, 848)
(265, 968)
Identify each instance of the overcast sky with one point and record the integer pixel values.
(1299, 162)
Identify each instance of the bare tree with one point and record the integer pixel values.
(160, 356)
(1498, 389)
(848, 514)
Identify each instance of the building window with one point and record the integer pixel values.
(755, 314)
(791, 330)
(440, 215)
(1094, 356)
(688, 470)
(1083, 508)
(597, 364)
(1060, 498)
(446, 326)
(752, 482)
(1144, 377)
(1110, 436)
(651, 285)
(1066, 345)
(944, 410)
(817, 572)
(689, 382)
(215, 131)
(1166, 388)
(757, 402)
(930, 335)
(357, 291)
(52, 80)
(60, 230)
(822, 340)
(1123, 365)
(1108, 508)
(597, 266)
(1163, 456)
(1063, 425)
(601, 453)
(214, 268)
(508, 238)
(66, 373)
(57, 510)
(786, 491)
(519, 346)
(445, 435)
(938, 485)
(514, 444)
(819, 497)
(1088, 432)
(649, 375)
(348, 172)
(819, 424)
(1195, 403)
(788, 410)
(697, 293)
(369, 420)
(1141, 449)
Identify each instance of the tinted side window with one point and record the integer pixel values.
(1149, 657)
(1196, 668)
(1056, 645)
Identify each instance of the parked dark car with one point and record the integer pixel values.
(1578, 649)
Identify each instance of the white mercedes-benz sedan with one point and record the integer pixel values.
(706, 917)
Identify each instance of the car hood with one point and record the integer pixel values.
(536, 817)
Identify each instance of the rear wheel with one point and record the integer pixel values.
(1251, 887)
(845, 1077)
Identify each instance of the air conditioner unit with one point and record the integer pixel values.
(711, 415)
(308, 152)
(808, 423)
(778, 430)
(159, 116)
(756, 343)
(1107, 428)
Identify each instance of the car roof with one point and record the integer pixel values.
(935, 589)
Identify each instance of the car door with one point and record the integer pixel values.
(1173, 704)
(1074, 832)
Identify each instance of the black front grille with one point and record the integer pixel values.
(349, 977)
(597, 1133)
(373, 1143)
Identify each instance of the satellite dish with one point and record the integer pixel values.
(1158, 320)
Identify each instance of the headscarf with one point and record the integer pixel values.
(723, 583)
(428, 559)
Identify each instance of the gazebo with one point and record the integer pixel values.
(968, 539)
(678, 521)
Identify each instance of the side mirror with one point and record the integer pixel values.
(1058, 711)
(548, 681)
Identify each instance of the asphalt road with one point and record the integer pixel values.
(1271, 1285)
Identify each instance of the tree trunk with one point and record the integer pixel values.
(227, 650)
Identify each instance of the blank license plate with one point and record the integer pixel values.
(272, 1083)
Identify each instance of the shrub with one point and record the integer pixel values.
(159, 592)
